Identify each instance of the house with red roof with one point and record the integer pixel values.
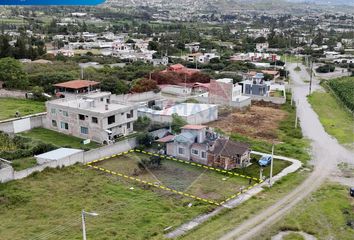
(179, 68)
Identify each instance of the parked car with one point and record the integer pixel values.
(351, 191)
(265, 160)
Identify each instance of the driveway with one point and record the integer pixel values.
(326, 153)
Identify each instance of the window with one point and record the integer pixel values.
(128, 125)
(54, 123)
(84, 130)
(203, 154)
(64, 125)
(181, 151)
(53, 111)
(195, 151)
(94, 120)
(130, 114)
(101, 99)
(82, 117)
(65, 113)
(111, 119)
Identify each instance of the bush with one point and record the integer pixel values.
(145, 139)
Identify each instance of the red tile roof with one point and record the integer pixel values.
(76, 84)
(194, 127)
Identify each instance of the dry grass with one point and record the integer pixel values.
(260, 122)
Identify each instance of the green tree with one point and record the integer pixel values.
(153, 45)
(145, 139)
(114, 86)
(142, 123)
(12, 74)
(37, 92)
(177, 123)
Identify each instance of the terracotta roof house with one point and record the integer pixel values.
(197, 143)
(75, 87)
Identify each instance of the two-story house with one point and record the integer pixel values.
(199, 144)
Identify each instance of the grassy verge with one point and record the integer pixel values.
(58, 139)
(336, 120)
(253, 170)
(230, 218)
(326, 214)
(9, 107)
(49, 205)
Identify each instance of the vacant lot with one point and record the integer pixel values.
(48, 205)
(58, 139)
(182, 177)
(336, 120)
(9, 107)
(326, 214)
(259, 122)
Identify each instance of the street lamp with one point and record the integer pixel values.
(83, 214)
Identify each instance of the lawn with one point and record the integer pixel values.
(48, 205)
(228, 219)
(9, 107)
(326, 214)
(336, 120)
(58, 139)
(194, 180)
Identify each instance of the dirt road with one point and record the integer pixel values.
(326, 153)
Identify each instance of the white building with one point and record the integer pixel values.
(192, 113)
(93, 116)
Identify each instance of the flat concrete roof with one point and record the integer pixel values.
(59, 153)
(182, 109)
(85, 104)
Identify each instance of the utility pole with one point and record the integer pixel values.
(311, 69)
(271, 168)
(83, 215)
(296, 117)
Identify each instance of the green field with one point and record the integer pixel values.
(49, 204)
(58, 139)
(336, 120)
(9, 107)
(194, 180)
(325, 214)
(343, 88)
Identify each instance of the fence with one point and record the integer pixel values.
(21, 124)
(7, 173)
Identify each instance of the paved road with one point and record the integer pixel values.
(326, 153)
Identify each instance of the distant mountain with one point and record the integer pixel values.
(326, 2)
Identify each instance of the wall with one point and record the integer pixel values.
(7, 174)
(276, 100)
(136, 97)
(12, 94)
(21, 124)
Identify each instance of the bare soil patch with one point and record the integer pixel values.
(260, 121)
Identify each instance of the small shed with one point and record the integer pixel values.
(63, 156)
